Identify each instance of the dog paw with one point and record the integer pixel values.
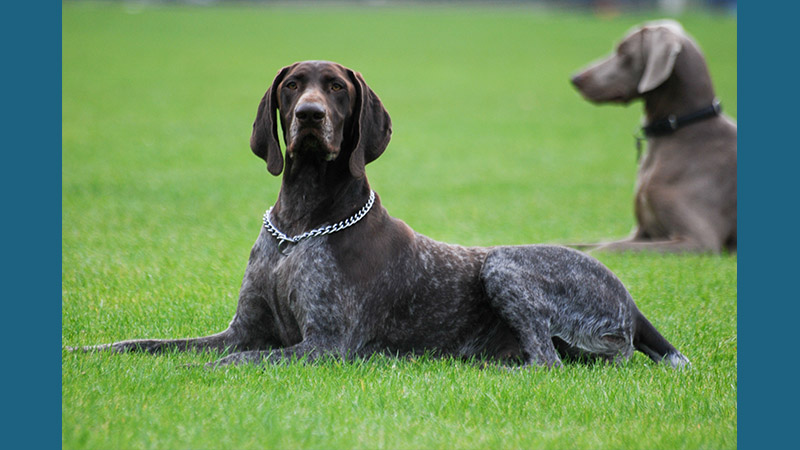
(88, 348)
(190, 366)
(226, 361)
(677, 361)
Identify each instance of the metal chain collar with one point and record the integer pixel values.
(322, 231)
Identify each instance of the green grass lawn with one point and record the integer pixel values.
(162, 200)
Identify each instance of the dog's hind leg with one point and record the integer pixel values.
(674, 245)
(550, 289)
(649, 341)
(529, 322)
(524, 308)
(573, 353)
(559, 300)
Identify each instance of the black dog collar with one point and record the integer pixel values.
(672, 123)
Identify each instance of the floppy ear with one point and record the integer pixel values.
(264, 140)
(662, 46)
(373, 126)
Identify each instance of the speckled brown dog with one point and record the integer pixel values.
(333, 274)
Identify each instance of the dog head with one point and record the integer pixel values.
(327, 112)
(642, 61)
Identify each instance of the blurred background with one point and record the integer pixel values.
(669, 6)
(491, 143)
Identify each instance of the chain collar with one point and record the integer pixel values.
(322, 231)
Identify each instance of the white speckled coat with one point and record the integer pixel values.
(378, 286)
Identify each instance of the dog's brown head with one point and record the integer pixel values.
(642, 61)
(327, 112)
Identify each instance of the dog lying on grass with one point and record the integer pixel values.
(332, 274)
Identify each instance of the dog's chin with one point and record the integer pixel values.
(600, 98)
(622, 99)
(312, 146)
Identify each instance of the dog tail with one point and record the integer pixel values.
(649, 341)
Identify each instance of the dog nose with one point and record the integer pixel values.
(310, 112)
(579, 79)
(576, 79)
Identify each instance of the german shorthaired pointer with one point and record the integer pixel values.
(686, 188)
(332, 274)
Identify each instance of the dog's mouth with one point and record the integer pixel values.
(601, 96)
(312, 142)
(594, 92)
(621, 99)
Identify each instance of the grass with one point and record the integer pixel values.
(162, 200)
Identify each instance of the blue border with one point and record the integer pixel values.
(31, 182)
(767, 183)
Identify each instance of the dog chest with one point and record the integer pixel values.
(305, 291)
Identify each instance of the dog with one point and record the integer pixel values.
(686, 187)
(333, 275)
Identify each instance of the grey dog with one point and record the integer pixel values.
(332, 274)
(686, 187)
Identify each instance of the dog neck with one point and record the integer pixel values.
(688, 89)
(672, 123)
(315, 193)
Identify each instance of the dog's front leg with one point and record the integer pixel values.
(250, 329)
(304, 350)
(225, 340)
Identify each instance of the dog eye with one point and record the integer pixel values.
(291, 85)
(336, 87)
